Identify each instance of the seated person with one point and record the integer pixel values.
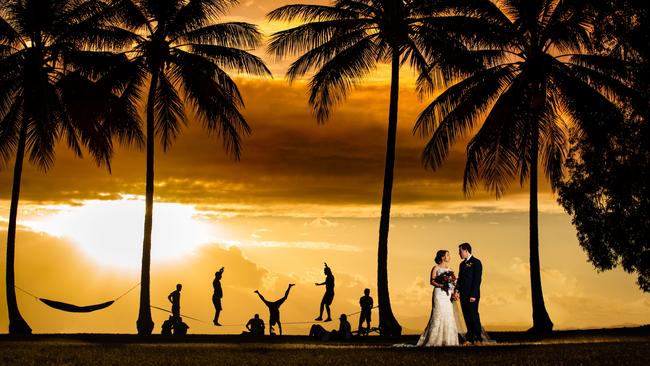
(167, 326)
(180, 328)
(342, 334)
(317, 331)
(255, 326)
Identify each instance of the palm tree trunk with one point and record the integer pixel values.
(541, 321)
(388, 325)
(17, 325)
(145, 323)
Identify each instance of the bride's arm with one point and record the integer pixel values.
(432, 278)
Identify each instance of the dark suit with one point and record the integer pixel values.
(469, 285)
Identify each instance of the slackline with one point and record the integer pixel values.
(71, 308)
(240, 325)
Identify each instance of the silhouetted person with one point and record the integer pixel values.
(274, 309)
(343, 333)
(255, 326)
(217, 295)
(175, 299)
(366, 304)
(328, 297)
(345, 330)
(167, 326)
(317, 331)
(180, 328)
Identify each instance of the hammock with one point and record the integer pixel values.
(74, 308)
(71, 308)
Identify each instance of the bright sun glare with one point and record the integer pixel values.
(111, 231)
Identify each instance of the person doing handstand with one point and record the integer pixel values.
(274, 309)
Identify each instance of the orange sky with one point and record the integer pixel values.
(302, 194)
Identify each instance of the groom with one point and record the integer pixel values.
(468, 290)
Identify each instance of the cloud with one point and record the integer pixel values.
(320, 223)
(288, 161)
(312, 245)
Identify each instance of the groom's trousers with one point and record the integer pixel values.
(472, 319)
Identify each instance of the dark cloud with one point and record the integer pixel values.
(288, 159)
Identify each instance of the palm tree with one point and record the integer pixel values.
(181, 51)
(343, 43)
(46, 70)
(536, 72)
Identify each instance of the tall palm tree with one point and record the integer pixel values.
(179, 49)
(46, 68)
(342, 43)
(535, 72)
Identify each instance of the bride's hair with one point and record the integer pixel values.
(441, 254)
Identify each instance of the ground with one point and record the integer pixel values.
(597, 347)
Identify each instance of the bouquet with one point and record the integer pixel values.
(447, 280)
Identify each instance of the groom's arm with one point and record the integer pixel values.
(476, 280)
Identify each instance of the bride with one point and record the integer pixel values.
(442, 329)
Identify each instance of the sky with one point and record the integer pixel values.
(302, 194)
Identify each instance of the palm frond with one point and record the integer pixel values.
(592, 112)
(215, 98)
(499, 150)
(196, 14)
(331, 83)
(169, 113)
(457, 111)
(312, 35)
(9, 128)
(234, 34)
(8, 35)
(310, 13)
(318, 56)
(233, 59)
(127, 12)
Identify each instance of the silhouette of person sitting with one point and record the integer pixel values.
(217, 295)
(167, 326)
(175, 299)
(180, 328)
(274, 309)
(255, 326)
(366, 304)
(343, 333)
(174, 325)
(328, 297)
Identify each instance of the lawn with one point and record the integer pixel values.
(563, 348)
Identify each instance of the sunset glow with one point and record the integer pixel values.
(300, 195)
(110, 232)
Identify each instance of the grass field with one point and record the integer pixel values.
(563, 348)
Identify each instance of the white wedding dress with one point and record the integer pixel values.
(442, 329)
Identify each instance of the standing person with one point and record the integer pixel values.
(328, 297)
(217, 295)
(175, 299)
(442, 329)
(366, 304)
(469, 292)
(274, 309)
